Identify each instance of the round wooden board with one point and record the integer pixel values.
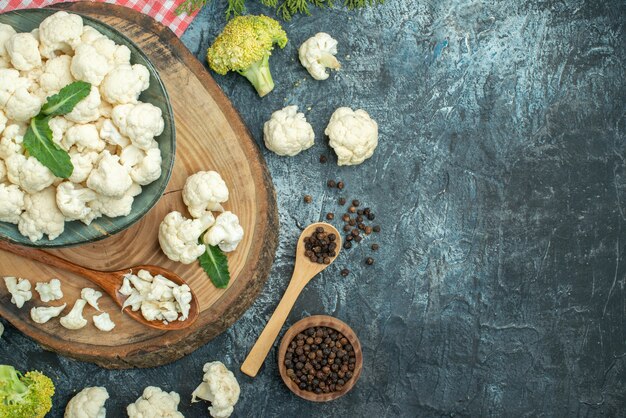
(210, 136)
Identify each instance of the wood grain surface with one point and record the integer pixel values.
(210, 136)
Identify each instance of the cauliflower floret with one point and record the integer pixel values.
(131, 156)
(112, 136)
(182, 295)
(23, 48)
(3, 121)
(178, 236)
(110, 178)
(28, 173)
(56, 74)
(114, 207)
(74, 319)
(6, 32)
(72, 200)
(318, 53)
(22, 105)
(60, 32)
(287, 132)
(114, 54)
(84, 137)
(88, 403)
(139, 122)
(41, 216)
(11, 142)
(353, 135)
(126, 288)
(225, 233)
(19, 289)
(103, 322)
(125, 83)
(3, 172)
(219, 386)
(134, 300)
(49, 291)
(204, 191)
(83, 163)
(91, 296)
(10, 81)
(155, 403)
(88, 109)
(90, 35)
(43, 314)
(149, 169)
(11, 203)
(59, 125)
(89, 65)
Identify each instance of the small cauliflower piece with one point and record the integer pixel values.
(131, 156)
(41, 216)
(49, 291)
(109, 178)
(139, 122)
(19, 289)
(56, 74)
(182, 295)
(114, 54)
(72, 200)
(178, 236)
(89, 65)
(88, 403)
(11, 141)
(111, 135)
(134, 300)
(149, 169)
(155, 403)
(28, 173)
(85, 137)
(114, 207)
(10, 81)
(83, 163)
(124, 84)
(22, 105)
(287, 132)
(23, 48)
(226, 232)
(43, 314)
(6, 32)
(219, 386)
(59, 125)
(103, 322)
(90, 35)
(353, 135)
(60, 32)
(74, 319)
(204, 191)
(91, 296)
(11, 203)
(88, 109)
(317, 54)
(126, 288)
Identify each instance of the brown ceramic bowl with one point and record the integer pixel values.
(320, 321)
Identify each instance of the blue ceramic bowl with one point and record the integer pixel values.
(76, 232)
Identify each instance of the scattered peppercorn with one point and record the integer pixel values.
(340, 185)
(355, 202)
(330, 216)
(368, 230)
(331, 183)
(308, 198)
(320, 246)
(371, 216)
(345, 217)
(323, 159)
(351, 209)
(342, 201)
(347, 245)
(345, 272)
(347, 228)
(359, 218)
(369, 261)
(376, 228)
(375, 247)
(352, 222)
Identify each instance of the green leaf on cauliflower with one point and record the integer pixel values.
(215, 264)
(64, 101)
(39, 144)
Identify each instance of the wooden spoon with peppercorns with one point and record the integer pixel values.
(318, 246)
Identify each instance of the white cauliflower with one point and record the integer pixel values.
(59, 125)
(49, 291)
(90, 35)
(11, 141)
(139, 122)
(3, 121)
(11, 203)
(89, 65)
(88, 403)
(10, 80)
(114, 54)
(131, 156)
(204, 191)
(72, 200)
(88, 109)
(6, 32)
(318, 53)
(23, 48)
(22, 105)
(3, 173)
(125, 83)
(287, 132)
(41, 216)
(19, 289)
(60, 32)
(178, 236)
(74, 319)
(84, 137)
(155, 403)
(83, 163)
(111, 135)
(114, 207)
(219, 386)
(43, 314)
(109, 178)
(103, 322)
(353, 135)
(225, 232)
(56, 74)
(182, 295)
(28, 173)
(91, 296)
(149, 169)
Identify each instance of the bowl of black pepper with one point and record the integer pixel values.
(320, 358)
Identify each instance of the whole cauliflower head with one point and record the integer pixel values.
(226, 232)
(204, 191)
(88, 109)
(56, 74)
(19, 290)
(125, 83)
(149, 169)
(28, 173)
(178, 236)
(41, 216)
(88, 403)
(219, 386)
(353, 135)
(140, 122)
(109, 178)
(22, 105)
(85, 137)
(318, 53)
(287, 132)
(49, 291)
(74, 319)
(72, 200)
(43, 314)
(89, 65)
(23, 48)
(155, 403)
(11, 203)
(60, 32)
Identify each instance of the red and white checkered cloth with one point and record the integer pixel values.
(161, 10)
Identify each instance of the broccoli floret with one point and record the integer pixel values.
(245, 46)
(24, 396)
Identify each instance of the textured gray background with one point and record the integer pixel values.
(499, 182)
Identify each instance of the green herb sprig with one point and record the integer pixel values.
(215, 264)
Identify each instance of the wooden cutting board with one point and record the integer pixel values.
(210, 136)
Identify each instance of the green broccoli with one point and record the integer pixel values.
(245, 46)
(24, 396)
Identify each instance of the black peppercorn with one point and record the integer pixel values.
(331, 183)
(323, 159)
(369, 261)
(345, 272)
(375, 247)
(342, 201)
(355, 203)
(330, 216)
(376, 228)
(308, 198)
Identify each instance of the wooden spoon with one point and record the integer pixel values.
(303, 272)
(110, 282)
